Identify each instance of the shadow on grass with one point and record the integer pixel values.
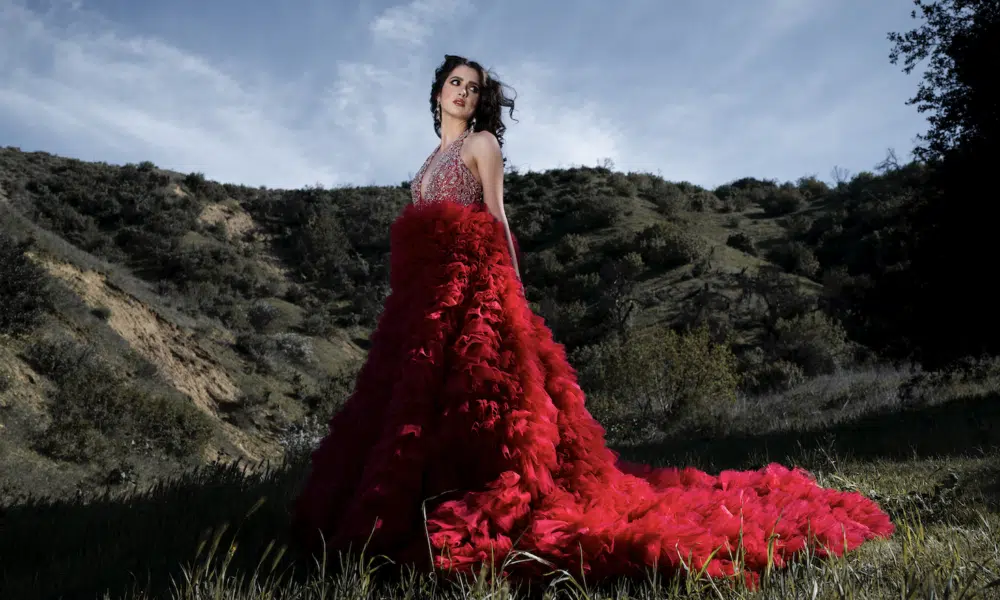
(71, 550)
(988, 486)
(65, 549)
(957, 428)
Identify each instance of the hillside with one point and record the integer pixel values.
(239, 315)
(158, 328)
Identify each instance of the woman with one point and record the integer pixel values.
(467, 438)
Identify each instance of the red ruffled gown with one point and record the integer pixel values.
(467, 411)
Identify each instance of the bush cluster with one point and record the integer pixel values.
(24, 288)
(96, 410)
(662, 375)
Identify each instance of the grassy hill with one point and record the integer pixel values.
(240, 313)
(156, 323)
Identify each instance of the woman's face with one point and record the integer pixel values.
(460, 93)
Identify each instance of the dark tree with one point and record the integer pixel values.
(950, 284)
(960, 39)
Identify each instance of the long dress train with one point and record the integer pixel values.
(467, 438)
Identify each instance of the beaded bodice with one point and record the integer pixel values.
(448, 177)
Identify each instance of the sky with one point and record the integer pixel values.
(295, 93)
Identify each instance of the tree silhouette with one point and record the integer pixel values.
(950, 283)
(961, 40)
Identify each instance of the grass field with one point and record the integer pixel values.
(217, 532)
(184, 323)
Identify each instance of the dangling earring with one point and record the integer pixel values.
(472, 123)
(438, 113)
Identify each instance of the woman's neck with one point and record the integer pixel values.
(451, 130)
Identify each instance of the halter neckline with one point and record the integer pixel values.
(460, 137)
(447, 176)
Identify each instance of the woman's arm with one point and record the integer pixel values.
(489, 163)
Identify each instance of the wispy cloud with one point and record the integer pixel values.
(762, 27)
(412, 24)
(139, 97)
(777, 89)
(553, 128)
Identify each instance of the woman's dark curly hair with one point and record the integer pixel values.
(492, 100)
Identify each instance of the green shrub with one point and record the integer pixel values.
(812, 188)
(630, 265)
(666, 246)
(584, 285)
(564, 318)
(322, 250)
(294, 347)
(797, 225)
(95, 409)
(368, 300)
(967, 378)
(531, 224)
(542, 268)
(174, 425)
(742, 242)
(783, 201)
(194, 181)
(746, 191)
(261, 315)
(666, 374)
(318, 322)
(594, 212)
(621, 184)
(795, 257)
(668, 198)
(735, 203)
(260, 349)
(814, 341)
(101, 312)
(704, 201)
(571, 247)
(771, 376)
(6, 380)
(269, 351)
(25, 294)
(769, 295)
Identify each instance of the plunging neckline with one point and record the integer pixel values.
(426, 177)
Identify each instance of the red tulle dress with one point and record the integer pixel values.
(467, 438)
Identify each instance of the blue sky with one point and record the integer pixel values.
(304, 92)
